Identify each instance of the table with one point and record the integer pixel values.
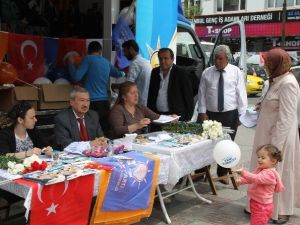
(25, 191)
(183, 161)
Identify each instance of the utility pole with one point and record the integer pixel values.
(283, 24)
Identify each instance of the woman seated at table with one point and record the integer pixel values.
(127, 116)
(22, 139)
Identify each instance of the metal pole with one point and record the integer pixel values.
(283, 24)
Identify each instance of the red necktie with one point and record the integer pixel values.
(83, 132)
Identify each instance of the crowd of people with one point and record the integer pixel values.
(166, 90)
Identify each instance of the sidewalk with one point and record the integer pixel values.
(226, 208)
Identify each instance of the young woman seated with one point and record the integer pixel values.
(22, 139)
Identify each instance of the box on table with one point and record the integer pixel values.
(9, 96)
(54, 96)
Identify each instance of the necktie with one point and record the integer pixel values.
(83, 131)
(221, 92)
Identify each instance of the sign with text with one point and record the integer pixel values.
(255, 17)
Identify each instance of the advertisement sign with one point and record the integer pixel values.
(254, 17)
(156, 23)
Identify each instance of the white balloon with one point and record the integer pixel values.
(42, 80)
(227, 153)
(61, 81)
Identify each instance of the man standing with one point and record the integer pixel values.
(78, 123)
(170, 89)
(139, 69)
(222, 95)
(94, 72)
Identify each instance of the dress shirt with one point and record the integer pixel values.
(235, 96)
(162, 97)
(139, 73)
(77, 117)
(74, 146)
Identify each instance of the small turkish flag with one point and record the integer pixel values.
(26, 54)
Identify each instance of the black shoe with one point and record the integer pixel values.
(247, 212)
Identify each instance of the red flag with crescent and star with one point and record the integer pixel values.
(68, 47)
(66, 203)
(26, 54)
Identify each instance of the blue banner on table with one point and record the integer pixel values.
(130, 182)
(120, 34)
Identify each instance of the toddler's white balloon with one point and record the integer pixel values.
(227, 153)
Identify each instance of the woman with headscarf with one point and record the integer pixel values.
(277, 125)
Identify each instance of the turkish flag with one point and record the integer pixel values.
(66, 203)
(26, 54)
(3, 44)
(68, 47)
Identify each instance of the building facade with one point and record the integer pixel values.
(263, 20)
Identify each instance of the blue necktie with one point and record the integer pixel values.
(221, 92)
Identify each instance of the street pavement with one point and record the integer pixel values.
(226, 208)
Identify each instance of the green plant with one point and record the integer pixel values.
(4, 159)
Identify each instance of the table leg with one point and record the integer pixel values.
(233, 180)
(162, 204)
(209, 178)
(195, 192)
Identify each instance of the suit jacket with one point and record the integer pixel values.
(180, 92)
(8, 139)
(67, 131)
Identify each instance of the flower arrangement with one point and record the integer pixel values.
(208, 129)
(30, 164)
(212, 129)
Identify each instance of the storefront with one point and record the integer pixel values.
(263, 29)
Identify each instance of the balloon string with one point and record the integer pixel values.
(28, 83)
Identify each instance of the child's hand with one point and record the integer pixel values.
(238, 171)
(238, 182)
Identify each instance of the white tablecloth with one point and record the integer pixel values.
(184, 160)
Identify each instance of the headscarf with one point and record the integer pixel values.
(277, 62)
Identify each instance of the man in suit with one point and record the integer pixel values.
(78, 123)
(170, 89)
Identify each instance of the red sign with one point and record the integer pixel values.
(252, 30)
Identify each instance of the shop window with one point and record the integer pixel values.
(279, 3)
(230, 5)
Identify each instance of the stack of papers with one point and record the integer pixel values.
(166, 119)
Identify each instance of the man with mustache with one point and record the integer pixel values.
(78, 123)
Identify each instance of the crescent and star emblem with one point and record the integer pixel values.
(34, 46)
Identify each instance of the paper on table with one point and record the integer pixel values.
(166, 119)
(249, 119)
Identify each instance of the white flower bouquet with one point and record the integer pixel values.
(212, 129)
(29, 164)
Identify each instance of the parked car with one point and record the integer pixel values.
(254, 85)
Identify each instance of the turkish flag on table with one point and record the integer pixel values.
(66, 203)
(68, 47)
(26, 54)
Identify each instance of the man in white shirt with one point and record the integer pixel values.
(139, 70)
(222, 94)
(170, 88)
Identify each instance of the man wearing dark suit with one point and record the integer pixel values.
(78, 123)
(170, 89)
